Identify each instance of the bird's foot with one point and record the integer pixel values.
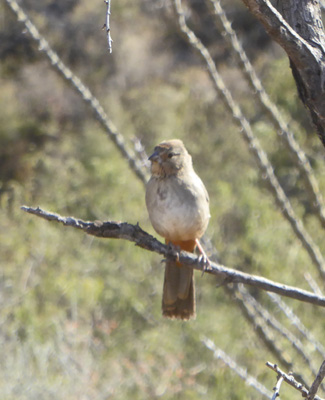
(203, 258)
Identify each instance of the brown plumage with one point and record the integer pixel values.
(178, 207)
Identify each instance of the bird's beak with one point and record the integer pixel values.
(154, 156)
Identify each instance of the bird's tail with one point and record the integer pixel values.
(179, 293)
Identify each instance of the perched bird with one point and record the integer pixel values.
(178, 207)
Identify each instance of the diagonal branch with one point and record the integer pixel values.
(133, 233)
(234, 366)
(278, 28)
(304, 47)
(288, 378)
(284, 133)
(255, 147)
(295, 321)
(85, 93)
(318, 380)
(261, 329)
(270, 320)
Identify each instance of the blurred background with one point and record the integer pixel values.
(80, 317)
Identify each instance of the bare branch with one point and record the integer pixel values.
(107, 25)
(299, 157)
(312, 283)
(133, 233)
(291, 380)
(261, 329)
(260, 318)
(277, 326)
(141, 153)
(295, 321)
(254, 145)
(81, 89)
(278, 28)
(319, 378)
(304, 47)
(277, 387)
(240, 371)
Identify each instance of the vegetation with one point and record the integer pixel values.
(80, 317)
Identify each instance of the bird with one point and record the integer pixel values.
(178, 207)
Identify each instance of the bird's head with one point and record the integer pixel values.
(170, 158)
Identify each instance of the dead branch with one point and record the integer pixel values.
(318, 380)
(284, 133)
(234, 366)
(312, 283)
(107, 25)
(133, 233)
(75, 82)
(270, 320)
(255, 147)
(261, 329)
(291, 380)
(295, 321)
(277, 387)
(300, 33)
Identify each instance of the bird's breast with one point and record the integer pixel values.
(177, 210)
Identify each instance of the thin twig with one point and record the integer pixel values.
(295, 321)
(260, 328)
(277, 326)
(107, 25)
(312, 283)
(317, 382)
(82, 89)
(140, 152)
(240, 371)
(303, 39)
(133, 233)
(299, 156)
(261, 158)
(277, 387)
(288, 378)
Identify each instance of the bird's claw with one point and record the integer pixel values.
(205, 262)
(203, 258)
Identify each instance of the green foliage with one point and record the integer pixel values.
(80, 316)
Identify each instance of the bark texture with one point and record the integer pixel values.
(298, 29)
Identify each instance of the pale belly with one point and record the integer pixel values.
(178, 212)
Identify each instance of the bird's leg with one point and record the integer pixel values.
(203, 258)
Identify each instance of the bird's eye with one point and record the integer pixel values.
(170, 155)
